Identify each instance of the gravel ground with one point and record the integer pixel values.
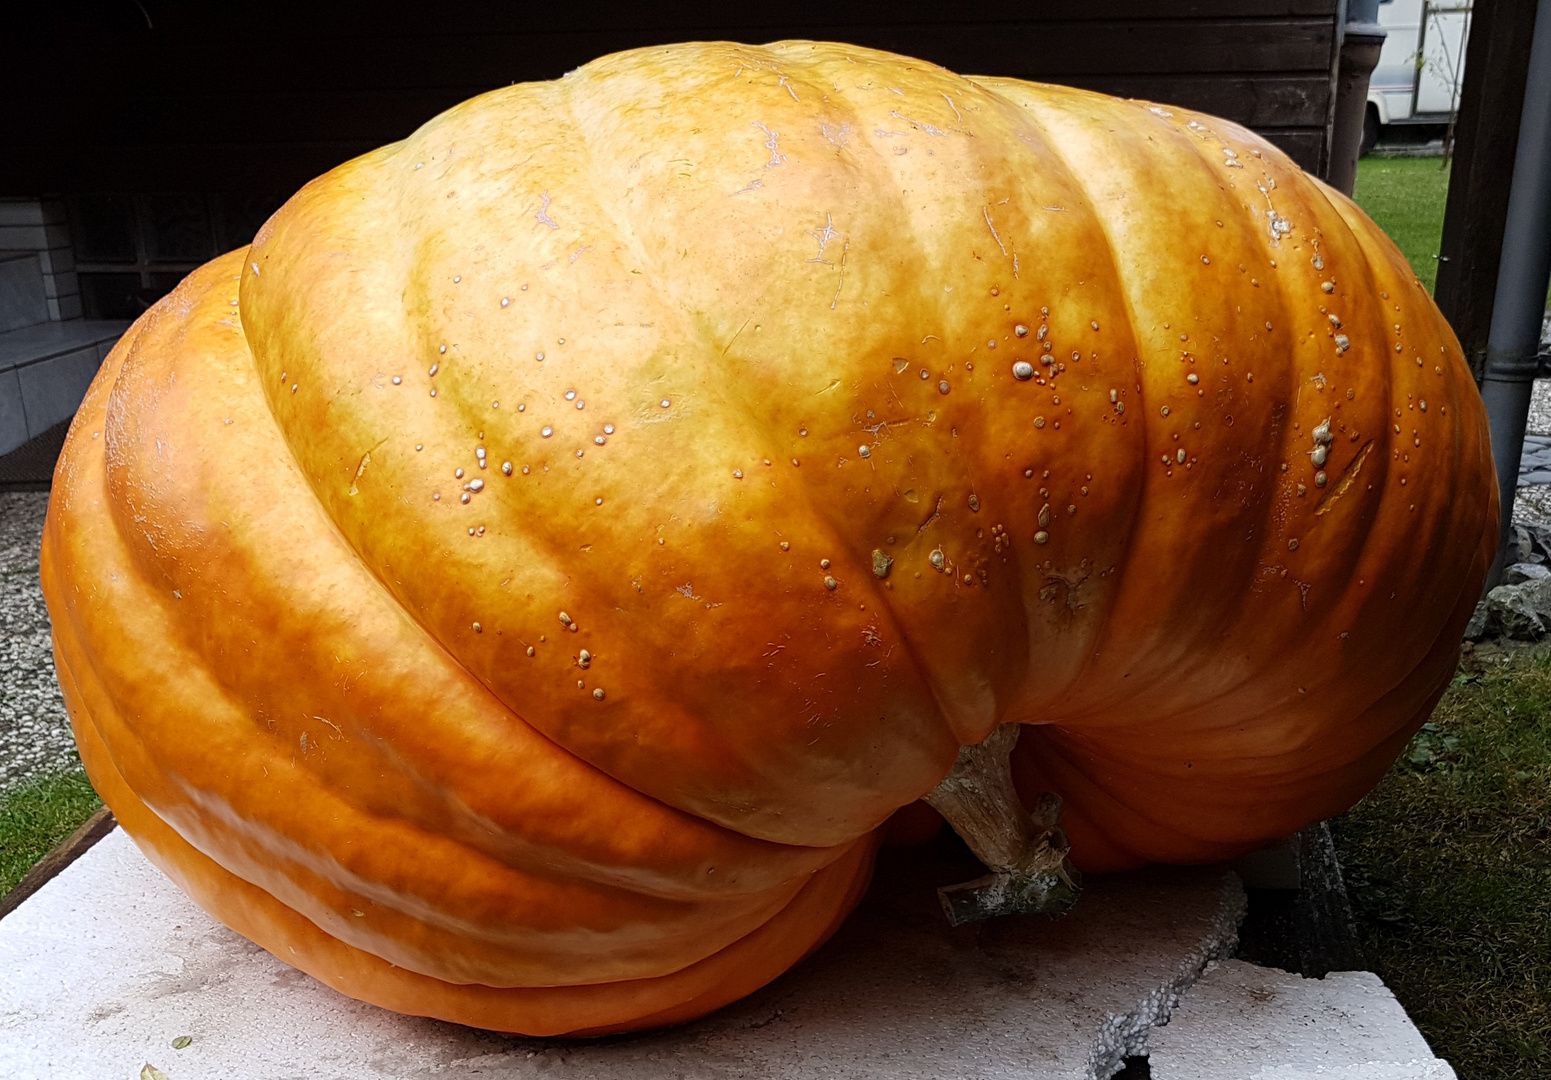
(1533, 505)
(34, 732)
(1540, 408)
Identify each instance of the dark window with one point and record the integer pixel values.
(242, 216)
(104, 227)
(131, 250)
(112, 296)
(177, 228)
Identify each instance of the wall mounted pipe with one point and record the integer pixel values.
(1362, 38)
(1524, 273)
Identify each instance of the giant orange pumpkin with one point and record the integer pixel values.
(519, 586)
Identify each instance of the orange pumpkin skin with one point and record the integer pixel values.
(905, 405)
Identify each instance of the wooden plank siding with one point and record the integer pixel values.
(260, 98)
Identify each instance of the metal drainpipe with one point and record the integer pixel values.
(1523, 274)
(1361, 40)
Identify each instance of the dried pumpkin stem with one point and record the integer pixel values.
(1026, 853)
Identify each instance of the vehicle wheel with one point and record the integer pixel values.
(1370, 130)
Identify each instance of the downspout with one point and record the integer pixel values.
(1361, 40)
(1523, 273)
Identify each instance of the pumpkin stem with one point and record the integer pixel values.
(1026, 853)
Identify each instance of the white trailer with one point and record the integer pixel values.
(1422, 66)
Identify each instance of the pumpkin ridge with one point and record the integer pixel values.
(1147, 493)
(312, 904)
(1139, 493)
(502, 692)
(414, 613)
(556, 1010)
(1355, 546)
(1263, 523)
(529, 867)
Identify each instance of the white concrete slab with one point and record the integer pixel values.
(1242, 1022)
(107, 964)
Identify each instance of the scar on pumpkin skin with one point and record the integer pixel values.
(1347, 479)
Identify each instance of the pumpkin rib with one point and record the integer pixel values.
(1309, 197)
(1143, 494)
(874, 816)
(837, 539)
(964, 729)
(419, 946)
(1313, 191)
(330, 913)
(1314, 197)
(1098, 853)
(756, 849)
(1062, 101)
(567, 899)
(1286, 318)
(840, 542)
(1383, 249)
(1138, 494)
(704, 934)
(591, 1009)
(1097, 850)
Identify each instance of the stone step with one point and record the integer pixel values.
(44, 372)
(22, 299)
(108, 963)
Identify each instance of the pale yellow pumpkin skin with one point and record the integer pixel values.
(751, 327)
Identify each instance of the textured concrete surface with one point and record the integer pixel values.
(34, 731)
(109, 963)
(1242, 1022)
(1533, 504)
(1540, 407)
(1533, 500)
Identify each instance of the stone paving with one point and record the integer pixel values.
(1535, 465)
(34, 731)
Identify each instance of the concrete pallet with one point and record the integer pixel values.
(108, 963)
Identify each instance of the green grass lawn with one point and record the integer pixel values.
(1405, 196)
(1449, 865)
(37, 815)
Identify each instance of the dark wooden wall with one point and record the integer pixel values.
(173, 128)
(1486, 142)
(172, 95)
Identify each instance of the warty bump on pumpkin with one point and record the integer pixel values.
(519, 586)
